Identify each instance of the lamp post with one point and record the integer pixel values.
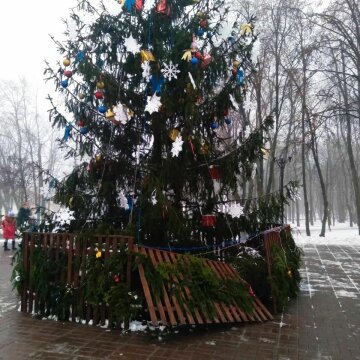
(281, 162)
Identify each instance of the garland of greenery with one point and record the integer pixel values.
(205, 287)
(285, 277)
(101, 282)
(283, 284)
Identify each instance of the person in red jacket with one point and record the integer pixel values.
(9, 229)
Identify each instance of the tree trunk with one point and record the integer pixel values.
(353, 170)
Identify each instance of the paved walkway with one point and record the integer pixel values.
(323, 323)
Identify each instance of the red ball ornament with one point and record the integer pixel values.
(68, 73)
(234, 71)
(99, 95)
(214, 172)
(203, 23)
(206, 61)
(226, 112)
(81, 123)
(198, 55)
(208, 220)
(117, 278)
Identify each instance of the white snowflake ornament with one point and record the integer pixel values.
(153, 104)
(122, 113)
(235, 210)
(123, 200)
(177, 146)
(253, 171)
(153, 198)
(170, 71)
(72, 28)
(146, 74)
(64, 216)
(235, 104)
(248, 104)
(132, 45)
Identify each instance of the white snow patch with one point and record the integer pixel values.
(211, 342)
(137, 326)
(340, 234)
(348, 294)
(268, 341)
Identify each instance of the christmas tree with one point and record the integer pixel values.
(154, 98)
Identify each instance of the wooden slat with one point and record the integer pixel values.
(220, 274)
(25, 259)
(147, 293)
(188, 314)
(31, 291)
(130, 243)
(227, 271)
(168, 306)
(70, 260)
(178, 309)
(187, 291)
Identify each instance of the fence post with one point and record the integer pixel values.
(271, 238)
(26, 272)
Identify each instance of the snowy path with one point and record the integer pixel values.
(329, 303)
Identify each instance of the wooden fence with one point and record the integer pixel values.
(165, 310)
(75, 251)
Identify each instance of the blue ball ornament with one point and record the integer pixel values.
(231, 40)
(227, 121)
(102, 109)
(84, 130)
(194, 60)
(80, 56)
(209, 34)
(214, 125)
(240, 77)
(200, 32)
(64, 83)
(100, 63)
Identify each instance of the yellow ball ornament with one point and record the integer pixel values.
(109, 114)
(100, 84)
(173, 134)
(66, 62)
(81, 96)
(204, 149)
(236, 63)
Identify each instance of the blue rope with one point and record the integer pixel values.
(207, 247)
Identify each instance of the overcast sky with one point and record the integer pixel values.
(25, 27)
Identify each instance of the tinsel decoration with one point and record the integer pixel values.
(163, 8)
(67, 133)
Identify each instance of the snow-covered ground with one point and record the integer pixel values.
(340, 234)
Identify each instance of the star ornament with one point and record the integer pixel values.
(132, 45)
(177, 146)
(153, 104)
(187, 55)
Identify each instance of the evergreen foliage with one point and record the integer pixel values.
(128, 174)
(283, 284)
(205, 287)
